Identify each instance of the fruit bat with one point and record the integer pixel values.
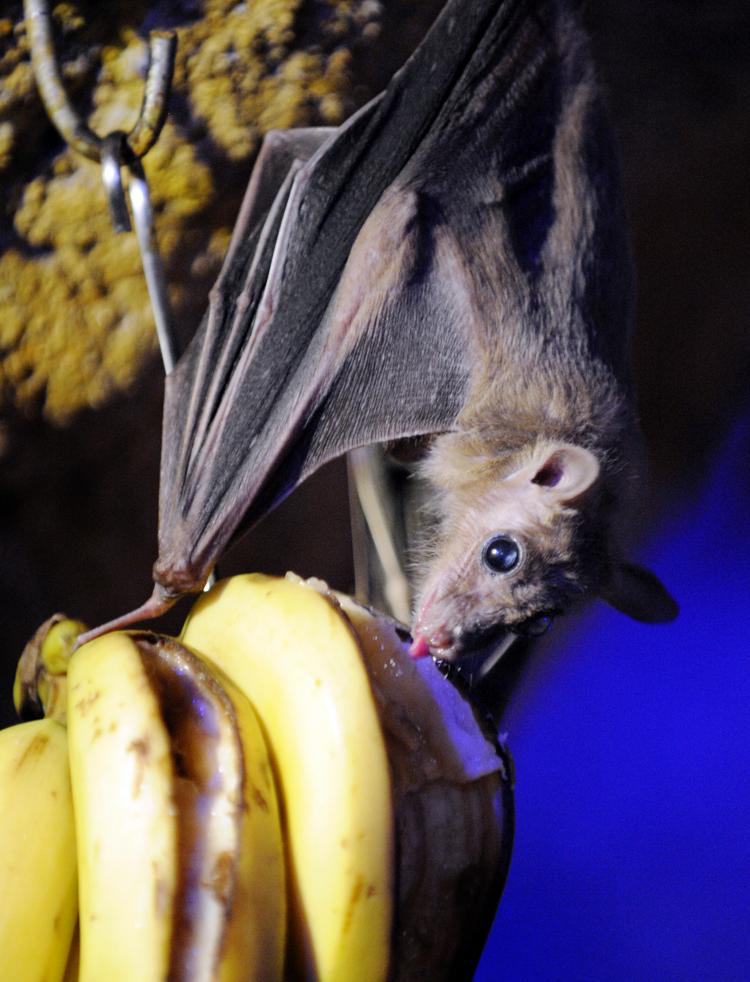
(450, 264)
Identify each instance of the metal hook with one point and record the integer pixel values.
(115, 156)
(116, 151)
(143, 219)
(143, 135)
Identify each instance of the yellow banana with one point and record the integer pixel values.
(397, 805)
(371, 751)
(299, 661)
(37, 852)
(73, 967)
(179, 847)
(41, 684)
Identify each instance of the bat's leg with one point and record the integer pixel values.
(378, 539)
(359, 537)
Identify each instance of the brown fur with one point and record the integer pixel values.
(544, 379)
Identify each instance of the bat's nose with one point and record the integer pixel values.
(430, 635)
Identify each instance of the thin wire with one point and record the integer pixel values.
(74, 130)
(143, 220)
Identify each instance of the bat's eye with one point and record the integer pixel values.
(501, 554)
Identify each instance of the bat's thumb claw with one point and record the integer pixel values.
(157, 604)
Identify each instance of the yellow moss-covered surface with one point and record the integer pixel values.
(75, 321)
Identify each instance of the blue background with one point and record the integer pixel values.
(632, 752)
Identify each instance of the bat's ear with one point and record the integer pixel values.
(565, 472)
(638, 593)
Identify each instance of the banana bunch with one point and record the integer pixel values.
(280, 793)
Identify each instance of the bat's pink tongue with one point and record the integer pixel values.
(419, 647)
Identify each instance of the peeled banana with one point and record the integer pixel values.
(280, 793)
(452, 799)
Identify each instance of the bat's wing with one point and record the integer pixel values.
(204, 371)
(353, 299)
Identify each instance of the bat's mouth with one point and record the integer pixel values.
(479, 642)
(483, 641)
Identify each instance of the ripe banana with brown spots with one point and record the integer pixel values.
(398, 805)
(280, 793)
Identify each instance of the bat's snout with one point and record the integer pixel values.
(459, 642)
(441, 643)
(429, 637)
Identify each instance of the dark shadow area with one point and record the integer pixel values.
(630, 742)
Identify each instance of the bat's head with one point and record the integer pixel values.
(515, 552)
